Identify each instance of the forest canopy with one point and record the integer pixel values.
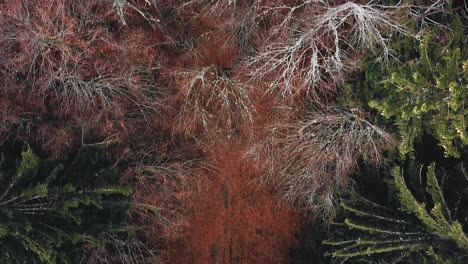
(233, 131)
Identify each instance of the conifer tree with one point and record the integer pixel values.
(421, 232)
(47, 210)
(426, 91)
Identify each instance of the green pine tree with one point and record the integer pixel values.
(426, 91)
(417, 233)
(48, 209)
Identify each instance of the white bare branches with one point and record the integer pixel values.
(311, 159)
(120, 7)
(132, 85)
(43, 38)
(211, 99)
(318, 46)
(48, 45)
(211, 7)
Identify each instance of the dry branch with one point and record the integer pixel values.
(311, 159)
(162, 195)
(319, 42)
(211, 100)
(49, 47)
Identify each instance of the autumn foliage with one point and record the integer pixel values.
(219, 113)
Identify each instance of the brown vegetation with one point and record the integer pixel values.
(212, 101)
(235, 219)
(181, 92)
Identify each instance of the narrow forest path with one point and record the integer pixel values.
(236, 220)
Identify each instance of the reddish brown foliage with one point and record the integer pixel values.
(125, 74)
(235, 220)
(70, 72)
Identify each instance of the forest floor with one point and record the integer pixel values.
(236, 219)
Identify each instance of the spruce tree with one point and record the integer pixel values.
(49, 208)
(426, 90)
(418, 232)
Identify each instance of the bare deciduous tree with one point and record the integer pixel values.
(319, 41)
(48, 47)
(211, 99)
(133, 85)
(163, 192)
(311, 159)
(121, 6)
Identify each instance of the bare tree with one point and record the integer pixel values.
(42, 42)
(48, 45)
(133, 85)
(121, 7)
(312, 42)
(163, 193)
(311, 159)
(171, 18)
(211, 7)
(211, 100)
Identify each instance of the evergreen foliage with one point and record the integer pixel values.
(426, 91)
(48, 208)
(421, 232)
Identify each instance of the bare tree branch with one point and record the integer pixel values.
(211, 100)
(318, 47)
(311, 159)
